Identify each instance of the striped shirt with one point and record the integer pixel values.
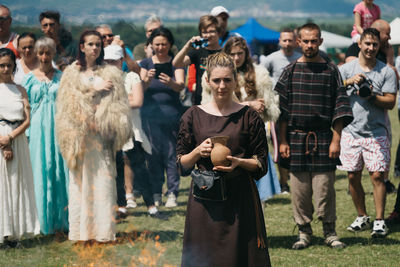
(311, 99)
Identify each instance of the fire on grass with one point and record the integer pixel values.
(95, 254)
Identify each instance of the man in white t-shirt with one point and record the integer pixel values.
(275, 63)
(366, 141)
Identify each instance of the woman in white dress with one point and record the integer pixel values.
(92, 124)
(18, 214)
(28, 62)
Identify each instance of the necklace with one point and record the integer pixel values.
(91, 75)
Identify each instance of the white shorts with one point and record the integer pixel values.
(373, 152)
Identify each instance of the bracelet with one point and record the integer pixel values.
(345, 83)
(11, 138)
(372, 99)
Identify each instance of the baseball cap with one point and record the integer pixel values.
(113, 52)
(218, 10)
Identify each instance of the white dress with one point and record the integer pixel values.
(93, 193)
(18, 215)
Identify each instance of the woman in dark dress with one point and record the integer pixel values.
(229, 232)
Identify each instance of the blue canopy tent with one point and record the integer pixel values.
(255, 34)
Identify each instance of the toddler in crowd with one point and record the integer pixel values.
(365, 13)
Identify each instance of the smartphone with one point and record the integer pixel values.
(165, 68)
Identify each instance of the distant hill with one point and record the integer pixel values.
(78, 11)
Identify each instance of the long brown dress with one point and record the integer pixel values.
(231, 232)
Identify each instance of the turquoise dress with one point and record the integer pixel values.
(50, 172)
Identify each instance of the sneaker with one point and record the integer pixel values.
(303, 241)
(122, 213)
(131, 203)
(393, 218)
(361, 223)
(285, 189)
(380, 229)
(171, 201)
(390, 188)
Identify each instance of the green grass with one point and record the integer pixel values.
(145, 241)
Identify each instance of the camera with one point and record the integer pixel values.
(203, 42)
(365, 88)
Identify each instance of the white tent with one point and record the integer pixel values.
(395, 31)
(332, 40)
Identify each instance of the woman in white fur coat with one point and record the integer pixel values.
(254, 89)
(92, 123)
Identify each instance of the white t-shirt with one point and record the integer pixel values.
(132, 78)
(276, 62)
(369, 120)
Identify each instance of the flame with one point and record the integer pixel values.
(93, 254)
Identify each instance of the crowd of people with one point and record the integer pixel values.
(88, 127)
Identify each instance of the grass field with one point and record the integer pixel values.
(144, 241)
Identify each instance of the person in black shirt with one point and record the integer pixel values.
(208, 28)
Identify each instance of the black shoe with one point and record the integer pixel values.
(390, 188)
(285, 189)
(159, 216)
(394, 218)
(5, 246)
(13, 244)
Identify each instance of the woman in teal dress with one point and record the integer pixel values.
(49, 170)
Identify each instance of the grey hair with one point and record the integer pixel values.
(45, 42)
(152, 19)
(101, 26)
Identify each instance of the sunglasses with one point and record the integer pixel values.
(104, 36)
(4, 18)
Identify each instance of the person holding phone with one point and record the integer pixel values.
(161, 112)
(195, 52)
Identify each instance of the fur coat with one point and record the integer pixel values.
(264, 91)
(78, 110)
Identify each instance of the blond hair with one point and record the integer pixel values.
(222, 60)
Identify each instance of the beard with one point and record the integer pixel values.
(311, 54)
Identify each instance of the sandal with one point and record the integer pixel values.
(303, 242)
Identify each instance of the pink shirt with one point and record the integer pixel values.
(368, 16)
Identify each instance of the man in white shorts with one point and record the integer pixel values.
(366, 141)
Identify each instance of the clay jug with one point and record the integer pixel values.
(220, 151)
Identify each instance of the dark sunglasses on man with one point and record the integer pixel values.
(110, 35)
(4, 18)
